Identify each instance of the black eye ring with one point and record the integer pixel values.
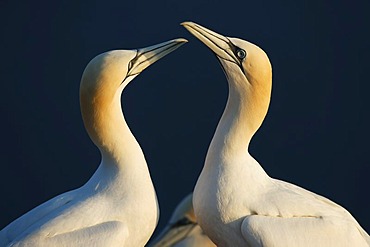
(241, 53)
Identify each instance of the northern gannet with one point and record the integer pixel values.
(235, 201)
(118, 205)
(182, 229)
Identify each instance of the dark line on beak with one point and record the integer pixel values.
(138, 54)
(155, 48)
(229, 43)
(154, 54)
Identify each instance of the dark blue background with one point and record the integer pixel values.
(316, 133)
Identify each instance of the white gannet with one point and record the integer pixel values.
(236, 203)
(118, 205)
(182, 229)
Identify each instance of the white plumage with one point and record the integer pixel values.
(182, 229)
(118, 205)
(236, 203)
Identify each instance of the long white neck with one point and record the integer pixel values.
(245, 110)
(106, 125)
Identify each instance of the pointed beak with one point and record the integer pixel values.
(219, 44)
(172, 235)
(149, 55)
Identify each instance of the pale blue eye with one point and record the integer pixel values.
(241, 53)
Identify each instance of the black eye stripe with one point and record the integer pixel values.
(237, 50)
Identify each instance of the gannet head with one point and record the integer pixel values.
(105, 77)
(240, 59)
(113, 70)
(246, 66)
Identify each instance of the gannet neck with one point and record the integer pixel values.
(245, 110)
(104, 120)
(109, 131)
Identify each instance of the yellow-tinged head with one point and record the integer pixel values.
(105, 77)
(241, 57)
(109, 71)
(247, 68)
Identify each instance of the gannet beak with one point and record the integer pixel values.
(219, 44)
(173, 234)
(149, 55)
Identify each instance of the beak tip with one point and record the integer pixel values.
(181, 40)
(186, 23)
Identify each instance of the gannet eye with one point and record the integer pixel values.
(241, 53)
